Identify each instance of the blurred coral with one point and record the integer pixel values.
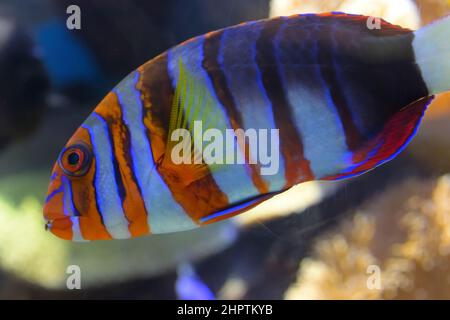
(38, 257)
(294, 200)
(432, 9)
(401, 12)
(431, 146)
(405, 231)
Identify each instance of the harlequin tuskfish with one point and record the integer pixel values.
(343, 96)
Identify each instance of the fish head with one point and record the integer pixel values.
(92, 185)
(71, 194)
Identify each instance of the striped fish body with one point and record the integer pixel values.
(344, 99)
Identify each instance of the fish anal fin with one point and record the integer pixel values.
(235, 209)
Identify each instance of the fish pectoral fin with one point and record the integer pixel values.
(235, 209)
(184, 173)
(389, 142)
(192, 105)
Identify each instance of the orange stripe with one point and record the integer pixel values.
(133, 204)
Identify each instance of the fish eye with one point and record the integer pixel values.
(75, 160)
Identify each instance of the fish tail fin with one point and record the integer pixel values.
(432, 51)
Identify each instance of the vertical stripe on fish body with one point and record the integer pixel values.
(328, 83)
(344, 98)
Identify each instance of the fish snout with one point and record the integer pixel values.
(54, 205)
(57, 217)
(56, 221)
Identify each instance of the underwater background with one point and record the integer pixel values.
(319, 240)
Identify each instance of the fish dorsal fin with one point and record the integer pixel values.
(389, 142)
(380, 26)
(192, 103)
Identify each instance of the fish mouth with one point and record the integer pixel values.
(56, 221)
(61, 227)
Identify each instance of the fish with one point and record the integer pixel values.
(340, 94)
